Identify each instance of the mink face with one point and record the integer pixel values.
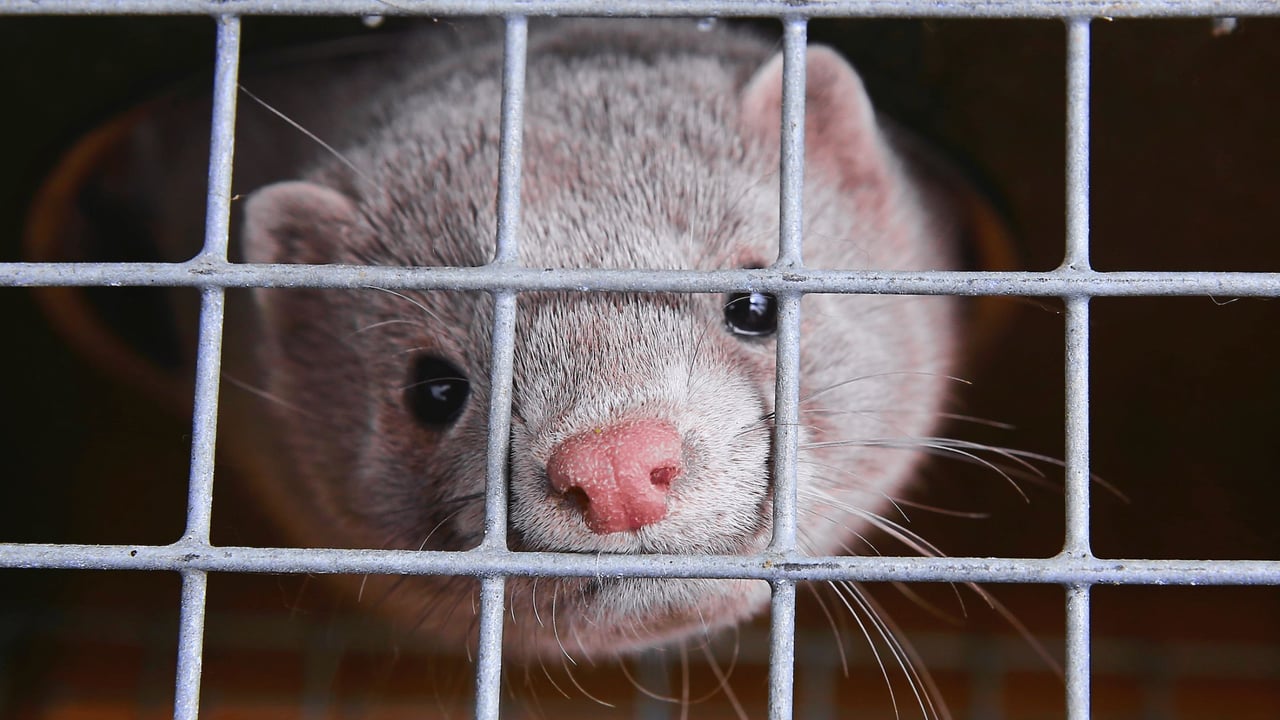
(641, 422)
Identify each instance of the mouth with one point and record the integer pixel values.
(618, 616)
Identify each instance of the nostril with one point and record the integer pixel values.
(577, 497)
(618, 476)
(662, 477)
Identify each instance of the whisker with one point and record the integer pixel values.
(569, 672)
(640, 688)
(1019, 627)
(875, 652)
(426, 311)
(894, 499)
(554, 684)
(722, 678)
(706, 647)
(835, 629)
(919, 679)
(941, 446)
(384, 323)
(555, 628)
(327, 147)
(684, 682)
(891, 373)
(268, 396)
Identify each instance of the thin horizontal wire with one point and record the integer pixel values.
(1054, 283)
(1057, 570)
(665, 8)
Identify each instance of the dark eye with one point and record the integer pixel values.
(753, 314)
(437, 391)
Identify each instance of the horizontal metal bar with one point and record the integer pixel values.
(1055, 283)
(668, 8)
(488, 562)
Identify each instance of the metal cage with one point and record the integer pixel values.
(1075, 568)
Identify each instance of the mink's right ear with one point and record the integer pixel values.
(297, 222)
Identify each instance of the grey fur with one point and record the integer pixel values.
(647, 146)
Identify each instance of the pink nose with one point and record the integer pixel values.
(622, 471)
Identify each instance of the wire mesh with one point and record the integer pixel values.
(1076, 569)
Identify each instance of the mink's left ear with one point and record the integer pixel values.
(842, 140)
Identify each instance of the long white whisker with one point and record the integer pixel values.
(547, 673)
(723, 678)
(622, 665)
(835, 629)
(384, 323)
(684, 682)
(555, 629)
(328, 148)
(569, 672)
(942, 446)
(921, 683)
(425, 310)
(270, 397)
(897, 501)
(892, 373)
(875, 653)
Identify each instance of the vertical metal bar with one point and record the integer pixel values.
(1077, 333)
(782, 629)
(195, 583)
(782, 650)
(195, 587)
(503, 353)
(222, 142)
(489, 652)
(492, 589)
(511, 143)
(204, 419)
(794, 41)
(217, 226)
(786, 424)
(1077, 367)
(503, 342)
(1077, 499)
(1077, 255)
(1077, 428)
(1078, 651)
(787, 390)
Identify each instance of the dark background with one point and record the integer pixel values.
(1186, 176)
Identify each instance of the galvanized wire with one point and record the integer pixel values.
(662, 8)
(1077, 476)
(1059, 570)
(1053, 283)
(786, 430)
(492, 587)
(1075, 568)
(195, 583)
